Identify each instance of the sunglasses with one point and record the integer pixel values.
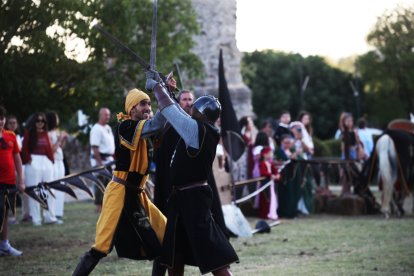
(40, 121)
(3, 143)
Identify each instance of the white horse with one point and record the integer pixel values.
(389, 172)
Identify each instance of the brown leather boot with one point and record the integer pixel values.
(176, 271)
(157, 268)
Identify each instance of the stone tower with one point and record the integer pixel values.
(217, 19)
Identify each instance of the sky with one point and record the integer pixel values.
(331, 28)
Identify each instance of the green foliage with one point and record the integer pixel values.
(39, 75)
(334, 146)
(388, 70)
(327, 148)
(346, 64)
(385, 83)
(321, 149)
(276, 78)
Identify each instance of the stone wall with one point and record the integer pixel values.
(77, 155)
(217, 19)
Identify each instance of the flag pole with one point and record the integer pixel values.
(231, 166)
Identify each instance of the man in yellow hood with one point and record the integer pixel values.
(129, 221)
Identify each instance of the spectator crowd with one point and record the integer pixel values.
(276, 143)
(40, 148)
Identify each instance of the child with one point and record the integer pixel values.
(268, 204)
(10, 163)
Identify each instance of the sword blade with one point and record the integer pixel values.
(122, 46)
(153, 53)
(180, 80)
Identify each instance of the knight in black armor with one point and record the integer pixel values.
(192, 235)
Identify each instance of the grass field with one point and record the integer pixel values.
(316, 245)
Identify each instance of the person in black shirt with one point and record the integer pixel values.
(192, 236)
(282, 128)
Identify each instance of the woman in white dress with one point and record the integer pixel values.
(57, 138)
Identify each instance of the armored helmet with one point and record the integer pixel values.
(209, 107)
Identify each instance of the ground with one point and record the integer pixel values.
(315, 245)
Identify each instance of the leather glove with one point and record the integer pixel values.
(153, 78)
(154, 75)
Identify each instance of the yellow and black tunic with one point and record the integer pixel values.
(128, 219)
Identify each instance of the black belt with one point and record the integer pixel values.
(125, 183)
(191, 186)
(181, 188)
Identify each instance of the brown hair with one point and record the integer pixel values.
(341, 119)
(31, 128)
(308, 127)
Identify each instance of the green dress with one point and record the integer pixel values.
(296, 183)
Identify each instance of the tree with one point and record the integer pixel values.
(388, 70)
(276, 79)
(43, 72)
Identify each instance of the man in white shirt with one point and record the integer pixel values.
(102, 144)
(366, 136)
